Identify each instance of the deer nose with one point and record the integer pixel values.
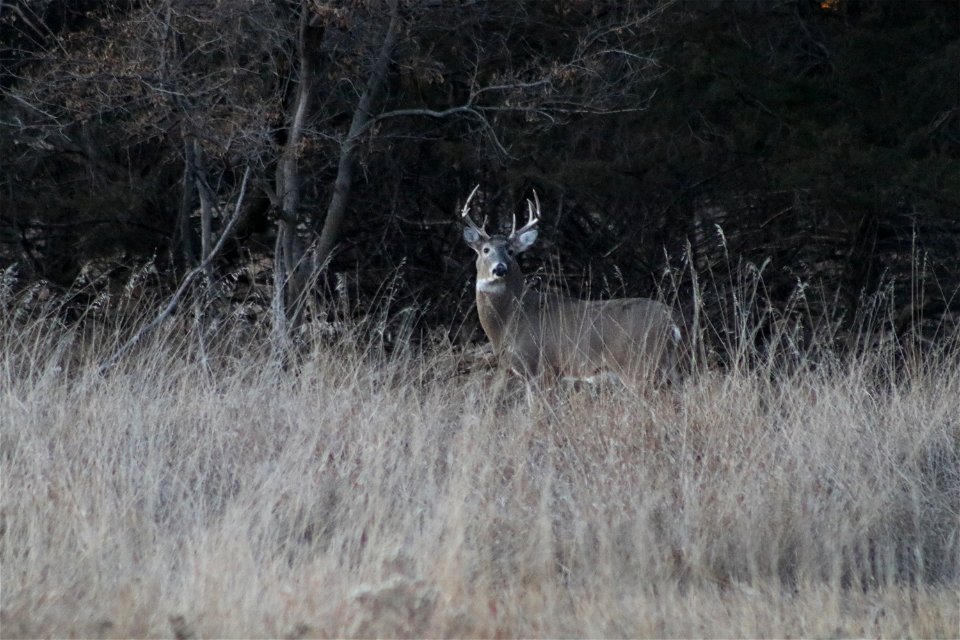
(499, 270)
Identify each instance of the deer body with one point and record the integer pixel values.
(632, 339)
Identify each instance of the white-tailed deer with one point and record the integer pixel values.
(635, 340)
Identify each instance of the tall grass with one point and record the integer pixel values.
(200, 490)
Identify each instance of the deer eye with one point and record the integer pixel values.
(510, 252)
(486, 250)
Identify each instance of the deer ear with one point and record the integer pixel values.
(525, 240)
(471, 237)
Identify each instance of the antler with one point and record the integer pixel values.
(533, 217)
(465, 214)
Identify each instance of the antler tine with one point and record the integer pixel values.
(533, 217)
(465, 214)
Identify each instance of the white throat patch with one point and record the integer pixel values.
(490, 285)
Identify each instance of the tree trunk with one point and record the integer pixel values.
(184, 233)
(336, 211)
(288, 171)
(279, 338)
(206, 215)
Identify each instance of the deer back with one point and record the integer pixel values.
(633, 338)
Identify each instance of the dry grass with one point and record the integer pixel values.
(200, 491)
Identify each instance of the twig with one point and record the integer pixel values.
(148, 328)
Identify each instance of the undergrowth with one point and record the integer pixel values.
(205, 487)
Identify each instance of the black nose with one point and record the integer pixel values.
(499, 270)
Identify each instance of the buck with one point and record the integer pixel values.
(632, 340)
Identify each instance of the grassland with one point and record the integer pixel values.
(201, 490)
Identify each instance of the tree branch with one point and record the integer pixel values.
(362, 119)
(148, 328)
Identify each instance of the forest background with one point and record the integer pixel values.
(816, 141)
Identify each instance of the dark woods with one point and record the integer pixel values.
(675, 146)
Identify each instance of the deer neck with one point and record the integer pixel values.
(498, 307)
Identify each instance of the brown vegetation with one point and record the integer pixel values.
(201, 490)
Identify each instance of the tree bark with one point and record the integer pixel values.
(288, 171)
(184, 235)
(206, 214)
(336, 211)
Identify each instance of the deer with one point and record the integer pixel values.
(535, 335)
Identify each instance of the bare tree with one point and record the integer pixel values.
(362, 117)
(289, 258)
(602, 73)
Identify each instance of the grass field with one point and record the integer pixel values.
(199, 490)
